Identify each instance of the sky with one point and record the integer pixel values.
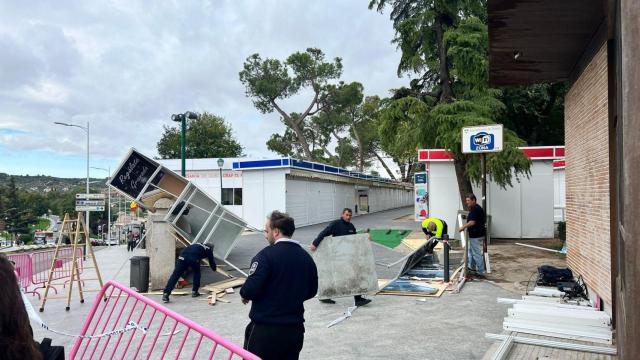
(124, 67)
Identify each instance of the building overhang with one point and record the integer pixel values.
(537, 41)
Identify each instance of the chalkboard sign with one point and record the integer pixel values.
(133, 175)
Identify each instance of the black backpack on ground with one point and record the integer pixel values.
(551, 276)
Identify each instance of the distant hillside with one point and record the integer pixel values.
(42, 183)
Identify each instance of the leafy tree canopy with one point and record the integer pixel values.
(209, 136)
(446, 44)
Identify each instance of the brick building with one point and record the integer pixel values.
(587, 177)
(592, 45)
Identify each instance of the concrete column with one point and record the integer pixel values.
(161, 245)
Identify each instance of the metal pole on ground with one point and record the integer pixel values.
(445, 249)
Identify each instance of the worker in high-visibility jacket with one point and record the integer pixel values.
(434, 229)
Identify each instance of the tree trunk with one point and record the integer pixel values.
(464, 185)
(326, 151)
(360, 150)
(445, 80)
(384, 165)
(296, 129)
(402, 170)
(412, 170)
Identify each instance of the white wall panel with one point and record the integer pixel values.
(263, 192)
(522, 211)
(296, 201)
(311, 202)
(444, 199)
(537, 202)
(559, 194)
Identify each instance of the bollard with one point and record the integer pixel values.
(445, 249)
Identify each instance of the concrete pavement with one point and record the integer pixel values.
(449, 327)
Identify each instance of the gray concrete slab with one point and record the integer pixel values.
(449, 327)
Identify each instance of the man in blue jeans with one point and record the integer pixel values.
(477, 232)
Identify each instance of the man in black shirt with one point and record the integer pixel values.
(477, 232)
(281, 277)
(190, 258)
(340, 227)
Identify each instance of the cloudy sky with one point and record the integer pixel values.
(126, 66)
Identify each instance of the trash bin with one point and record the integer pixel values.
(139, 276)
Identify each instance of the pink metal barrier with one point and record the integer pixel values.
(168, 334)
(24, 270)
(33, 268)
(41, 264)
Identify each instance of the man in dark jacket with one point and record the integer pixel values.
(477, 235)
(340, 227)
(130, 246)
(190, 258)
(281, 277)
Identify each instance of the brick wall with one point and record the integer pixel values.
(587, 177)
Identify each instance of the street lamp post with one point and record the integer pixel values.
(182, 118)
(109, 204)
(88, 228)
(220, 164)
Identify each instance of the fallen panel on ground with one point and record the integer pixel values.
(346, 266)
(413, 288)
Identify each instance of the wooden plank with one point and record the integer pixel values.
(222, 285)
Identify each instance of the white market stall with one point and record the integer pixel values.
(525, 210)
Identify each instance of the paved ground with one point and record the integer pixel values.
(450, 327)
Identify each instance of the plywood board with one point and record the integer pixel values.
(346, 266)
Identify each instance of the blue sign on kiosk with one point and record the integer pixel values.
(480, 139)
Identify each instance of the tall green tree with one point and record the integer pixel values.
(208, 136)
(444, 43)
(17, 216)
(269, 82)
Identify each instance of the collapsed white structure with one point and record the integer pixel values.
(194, 215)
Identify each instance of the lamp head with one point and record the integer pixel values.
(220, 162)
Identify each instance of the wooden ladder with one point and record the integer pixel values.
(73, 228)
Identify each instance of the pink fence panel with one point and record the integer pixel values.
(167, 335)
(23, 269)
(41, 264)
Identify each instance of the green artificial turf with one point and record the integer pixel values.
(390, 240)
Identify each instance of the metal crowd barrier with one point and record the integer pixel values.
(41, 264)
(148, 330)
(33, 268)
(24, 271)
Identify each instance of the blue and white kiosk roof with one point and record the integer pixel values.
(307, 165)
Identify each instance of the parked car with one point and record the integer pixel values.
(98, 242)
